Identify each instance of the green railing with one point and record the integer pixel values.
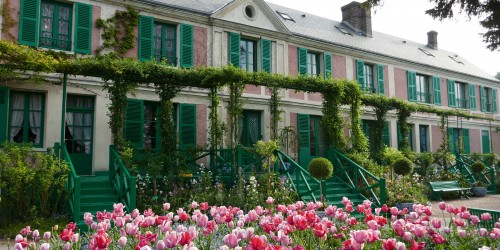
(357, 178)
(462, 168)
(123, 182)
(72, 186)
(489, 224)
(300, 178)
(487, 176)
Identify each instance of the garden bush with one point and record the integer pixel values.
(31, 183)
(402, 166)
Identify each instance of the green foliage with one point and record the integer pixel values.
(266, 149)
(216, 126)
(364, 160)
(490, 159)
(274, 107)
(424, 163)
(406, 189)
(320, 168)
(402, 166)
(497, 76)
(30, 181)
(477, 167)
(332, 122)
(118, 30)
(390, 155)
(43, 224)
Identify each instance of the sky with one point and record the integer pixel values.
(407, 19)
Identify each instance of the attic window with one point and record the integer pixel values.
(285, 16)
(455, 58)
(426, 52)
(344, 31)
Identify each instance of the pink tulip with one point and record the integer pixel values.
(122, 241)
(496, 231)
(118, 209)
(67, 246)
(135, 213)
(436, 223)
(75, 238)
(446, 230)
(486, 216)
(400, 246)
(360, 236)
(442, 205)
(408, 236)
(377, 210)
(45, 246)
(497, 224)
(419, 231)
(270, 200)
(394, 211)
(372, 224)
(483, 232)
(160, 245)
(474, 220)
(46, 235)
(231, 240)
(389, 244)
(172, 239)
(166, 206)
(18, 246)
(119, 222)
(449, 209)
(373, 236)
(194, 205)
(462, 233)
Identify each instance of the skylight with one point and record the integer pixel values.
(426, 52)
(285, 16)
(455, 58)
(344, 31)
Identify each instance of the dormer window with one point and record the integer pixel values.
(426, 52)
(285, 16)
(344, 31)
(455, 58)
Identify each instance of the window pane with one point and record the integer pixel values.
(157, 42)
(170, 44)
(47, 24)
(250, 56)
(243, 54)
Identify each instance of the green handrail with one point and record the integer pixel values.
(302, 176)
(357, 177)
(123, 182)
(72, 186)
(487, 176)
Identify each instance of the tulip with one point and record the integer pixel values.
(360, 236)
(419, 231)
(446, 230)
(407, 236)
(439, 239)
(389, 244)
(160, 245)
(204, 206)
(67, 246)
(45, 246)
(400, 246)
(436, 223)
(486, 216)
(442, 205)
(194, 205)
(270, 200)
(66, 235)
(462, 233)
(47, 235)
(474, 220)
(122, 241)
(394, 211)
(231, 240)
(75, 238)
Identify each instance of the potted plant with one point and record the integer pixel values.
(321, 169)
(478, 187)
(404, 199)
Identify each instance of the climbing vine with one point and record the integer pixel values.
(274, 104)
(404, 129)
(234, 111)
(7, 21)
(118, 30)
(359, 142)
(376, 131)
(216, 126)
(332, 122)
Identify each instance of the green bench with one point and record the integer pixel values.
(440, 187)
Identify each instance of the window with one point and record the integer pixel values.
(409, 136)
(457, 135)
(285, 16)
(370, 77)
(151, 125)
(426, 52)
(248, 55)
(460, 95)
(79, 124)
(55, 25)
(343, 30)
(316, 137)
(164, 43)
(422, 87)
(368, 85)
(250, 127)
(312, 64)
(423, 138)
(488, 100)
(26, 118)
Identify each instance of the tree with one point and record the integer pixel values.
(498, 75)
(488, 12)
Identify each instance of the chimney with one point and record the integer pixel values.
(358, 18)
(432, 39)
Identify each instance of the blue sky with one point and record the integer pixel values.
(407, 19)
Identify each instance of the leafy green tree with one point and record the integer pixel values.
(488, 12)
(498, 75)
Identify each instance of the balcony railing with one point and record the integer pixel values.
(462, 103)
(424, 97)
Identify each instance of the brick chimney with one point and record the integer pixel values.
(432, 39)
(358, 18)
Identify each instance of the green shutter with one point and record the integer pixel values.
(412, 86)
(304, 139)
(28, 22)
(495, 104)
(380, 79)
(485, 135)
(466, 141)
(134, 123)
(83, 28)
(451, 141)
(386, 138)
(452, 101)
(234, 49)
(482, 94)
(266, 55)
(146, 32)
(436, 85)
(187, 47)
(187, 125)
(360, 72)
(328, 65)
(302, 60)
(4, 108)
(472, 96)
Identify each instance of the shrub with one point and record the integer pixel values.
(320, 168)
(402, 166)
(478, 167)
(390, 155)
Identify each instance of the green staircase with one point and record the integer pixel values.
(463, 166)
(96, 194)
(349, 180)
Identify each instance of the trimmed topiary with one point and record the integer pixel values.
(402, 166)
(320, 168)
(477, 167)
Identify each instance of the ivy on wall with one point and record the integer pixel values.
(216, 126)
(332, 122)
(274, 107)
(118, 30)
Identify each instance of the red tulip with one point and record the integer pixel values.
(66, 235)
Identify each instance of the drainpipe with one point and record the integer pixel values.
(63, 113)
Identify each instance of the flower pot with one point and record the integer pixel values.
(403, 205)
(479, 191)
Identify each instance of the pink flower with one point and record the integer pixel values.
(439, 239)
(270, 200)
(204, 206)
(372, 224)
(88, 218)
(122, 241)
(449, 209)
(394, 211)
(75, 238)
(47, 235)
(400, 246)
(483, 232)
(360, 236)
(135, 213)
(419, 231)
(486, 216)
(436, 223)
(45, 246)
(119, 222)
(118, 209)
(462, 233)
(166, 206)
(442, 205)
(474, 220)
(389, 244)
(407, 236)
(446, 230)
(160, 245)
(377, 210)
(194, 205)
(231, 240)
(172, 239)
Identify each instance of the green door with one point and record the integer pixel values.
(79, 132)
(250, 132)
(310, 139)
(485, 135)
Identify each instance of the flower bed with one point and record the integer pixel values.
(294, 226)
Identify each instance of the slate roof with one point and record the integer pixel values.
(201, 6)
(324, 29)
